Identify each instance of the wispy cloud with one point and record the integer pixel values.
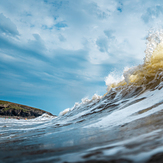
(7, 26)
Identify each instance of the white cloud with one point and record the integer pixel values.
(89, 20)
(110, 31)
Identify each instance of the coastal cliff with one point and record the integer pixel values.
(16, 110)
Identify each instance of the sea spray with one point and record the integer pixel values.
(85, 101)
(144, 74)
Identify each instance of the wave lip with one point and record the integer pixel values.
(149, 74)
(85, 101)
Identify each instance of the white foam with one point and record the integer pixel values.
(85, 101)
(64, 111)
(113, 77)
(122, 116)
(153, 39)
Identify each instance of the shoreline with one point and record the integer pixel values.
(11, 110)
(17, 117)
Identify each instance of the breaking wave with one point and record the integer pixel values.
(149, 74)
(85, 101)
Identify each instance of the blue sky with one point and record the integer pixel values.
(53, 53)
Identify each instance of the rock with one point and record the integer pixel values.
(13, 109)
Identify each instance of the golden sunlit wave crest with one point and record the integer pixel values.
(150, 73)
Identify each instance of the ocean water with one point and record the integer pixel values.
(124, 125)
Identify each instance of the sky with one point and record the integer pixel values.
(53, 53)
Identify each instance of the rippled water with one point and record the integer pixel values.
(125, 125)
(130, 129)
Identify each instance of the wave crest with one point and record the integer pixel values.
(85, 101)
(150, 73)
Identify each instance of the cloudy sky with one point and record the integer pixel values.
(53, 53)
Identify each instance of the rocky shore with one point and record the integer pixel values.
(13, 110)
